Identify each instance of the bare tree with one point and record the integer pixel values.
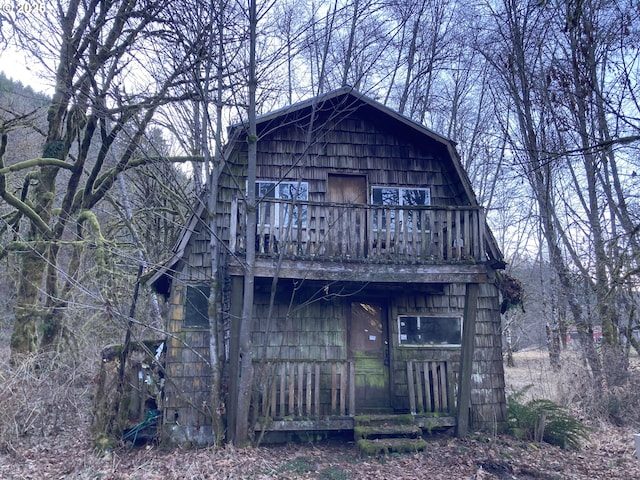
(97, 100)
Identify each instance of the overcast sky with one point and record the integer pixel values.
(16, 67)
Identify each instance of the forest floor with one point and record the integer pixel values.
(67, 453)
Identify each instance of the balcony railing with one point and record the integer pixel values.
(363, 232)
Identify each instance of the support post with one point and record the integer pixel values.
(466, 367)
(237, 284)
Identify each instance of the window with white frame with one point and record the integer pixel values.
(400, 196)
(430, 330)
(282, 213)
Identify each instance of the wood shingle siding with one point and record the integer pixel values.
(332, 278)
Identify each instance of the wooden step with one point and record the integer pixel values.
(386, 430)
(368, 420)
(385, 434)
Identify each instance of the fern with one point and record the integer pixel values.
(544, 420)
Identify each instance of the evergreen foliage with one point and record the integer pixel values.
(544, 420)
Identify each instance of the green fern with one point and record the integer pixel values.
(541, 419)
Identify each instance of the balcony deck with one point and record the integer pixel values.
(361, 242)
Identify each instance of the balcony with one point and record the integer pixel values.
(316, 231)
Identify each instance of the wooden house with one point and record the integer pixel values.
(375, 279)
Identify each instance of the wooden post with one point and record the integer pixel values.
(236, 315)
(466, 367)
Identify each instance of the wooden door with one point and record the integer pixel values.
(348, 233)
(347, 189)
(369, 349)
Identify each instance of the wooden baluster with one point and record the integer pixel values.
(436, 387)
(443, 386)
(316, 399)
(292, 385)
(334, 388)
(283, 380)
(308, 392)
(273, 379)
(352, 388)
(411, 388)
(419, 403)
(300, 385)
(343, 389)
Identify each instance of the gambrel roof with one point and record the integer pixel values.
(348, 102)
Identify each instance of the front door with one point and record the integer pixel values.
(369, 349)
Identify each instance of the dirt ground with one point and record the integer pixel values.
(609, 454)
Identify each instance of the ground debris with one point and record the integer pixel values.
(610, 455)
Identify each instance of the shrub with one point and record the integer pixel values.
(544, 420)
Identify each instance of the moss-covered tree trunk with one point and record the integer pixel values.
(24, 339)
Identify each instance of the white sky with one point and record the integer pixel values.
(16, 67)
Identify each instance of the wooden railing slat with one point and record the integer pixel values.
(419, 403)
(352, 388)
(411, 387)
(343, 389)
(428, 393)
(308, 392)
(363, 231)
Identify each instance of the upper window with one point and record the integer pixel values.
(399, 196)
(428, 330)
(278, 213)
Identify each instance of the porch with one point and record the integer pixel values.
(319, 396)
(365, 233)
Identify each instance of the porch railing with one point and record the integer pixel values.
(363, 232)
(431, 387)
(303, 389)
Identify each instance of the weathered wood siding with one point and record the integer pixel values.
(187, 387)
(487, 382)
(353, 142)
(297, 331)
(350, 142)
(488, 389)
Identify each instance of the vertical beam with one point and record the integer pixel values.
(466, 367)
(234, 347)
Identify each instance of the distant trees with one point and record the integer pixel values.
(553, 60)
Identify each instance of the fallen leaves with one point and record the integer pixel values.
(610, 455)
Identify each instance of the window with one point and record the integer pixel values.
(197, 307)
(281, 211)
(430, 330)
(392, 196)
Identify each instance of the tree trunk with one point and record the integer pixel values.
(245, 352)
